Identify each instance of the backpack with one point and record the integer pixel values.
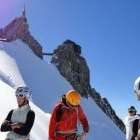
(135, 127)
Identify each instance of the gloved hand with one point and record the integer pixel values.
(82, 135)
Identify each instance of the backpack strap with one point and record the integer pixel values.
(78, 121)
(59, 112)
(139, 125)
(138, 128)
(135, 126)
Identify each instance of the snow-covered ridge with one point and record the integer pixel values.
(20, 66)
(24, 68)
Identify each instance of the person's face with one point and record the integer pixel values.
(132, 113)
(138, 95)
(21, 100)
(71, 106)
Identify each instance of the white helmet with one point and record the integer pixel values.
(137, 87)
(23, 91)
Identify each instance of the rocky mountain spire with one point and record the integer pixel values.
(24, 11)
(19, 29)
(67, 58)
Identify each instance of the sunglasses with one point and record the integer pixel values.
(131, 111)
(20, 95)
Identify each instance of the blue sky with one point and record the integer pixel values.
(107, 30)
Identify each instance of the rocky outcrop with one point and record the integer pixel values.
(67, 58)
(104, 104)
(71, 65)
(19, 29)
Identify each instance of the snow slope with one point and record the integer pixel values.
(19, 66)
(8, 102)
(24, 68)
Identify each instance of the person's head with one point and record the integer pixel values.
(72, 98)
(137, 88)
(23, 95)
(132, 111)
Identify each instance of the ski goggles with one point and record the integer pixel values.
(131, 111)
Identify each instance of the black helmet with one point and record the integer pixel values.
(132, 109)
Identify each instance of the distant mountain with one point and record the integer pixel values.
(19, 29)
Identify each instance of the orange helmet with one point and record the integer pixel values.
(73, 97)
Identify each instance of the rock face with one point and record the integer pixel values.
(19, 29)
(71, 65)
(104, 104)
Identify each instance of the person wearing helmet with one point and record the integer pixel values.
(19, 121)
(137, 88)
(131, 123)
(65, 116)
